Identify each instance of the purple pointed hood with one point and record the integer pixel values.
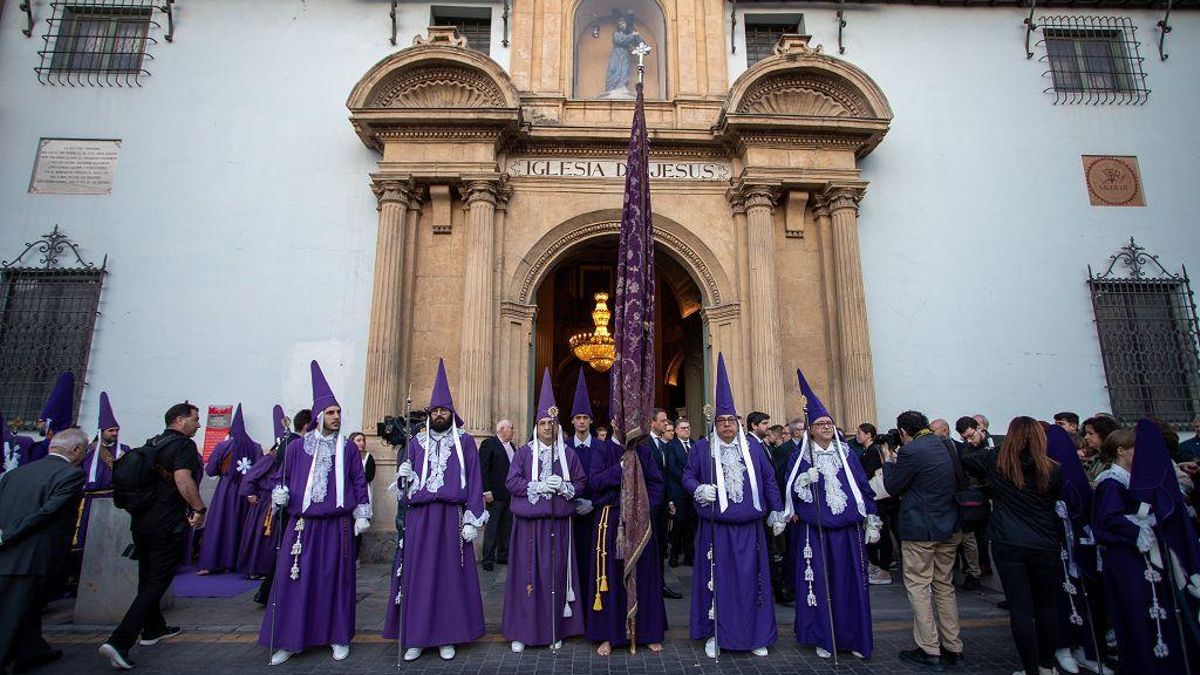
(107, 419)
(59, 410)
(1076, 491)
(724, 395)
(441, 398)
(1152, 481)
(546, 399)
(813, 408)
(322, 395)
(237, 428)
(277, 420)
(583, 402)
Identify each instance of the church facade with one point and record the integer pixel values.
(917, 205)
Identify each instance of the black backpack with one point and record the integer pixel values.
(136, 481)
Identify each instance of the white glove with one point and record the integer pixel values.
(706, 494)
(361, 525)
(469, 533)
(554, 483)
(406, 471)
(778, 528)
(280, 496)
(872, 535)
(809, 477)
(583, 506)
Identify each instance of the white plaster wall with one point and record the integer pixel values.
(241, 229)
(976, 230)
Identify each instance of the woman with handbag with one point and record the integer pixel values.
(1025, 535)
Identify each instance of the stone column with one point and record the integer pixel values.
(766, 366)
(824, 234)
(383, 340)
(474, 393)
(858, 383)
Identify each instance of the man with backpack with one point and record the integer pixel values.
(156, 484)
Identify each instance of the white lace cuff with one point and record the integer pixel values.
(363, 511)
(477, 521)
(874, 522)
(777, 517)
(568, 491)
(535, 491)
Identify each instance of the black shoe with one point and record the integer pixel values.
(1003, 604)
(953, 659)
(48, 656)
(118, 658)
(488, 566)
(673, 561)
(971, 583)
(919, 657)
(151, 639)
(670, 594)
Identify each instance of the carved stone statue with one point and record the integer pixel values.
(620, 67)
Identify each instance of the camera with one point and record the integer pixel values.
(396, 430)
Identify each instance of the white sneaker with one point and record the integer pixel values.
(280, 656)
(446, 652)
(710, 648)
(823, 653)
(1047, 671)
(857, 655)
(114, 657)
(1066, 661)
(759, 651)
(1084, 662)
(340, 652)
(879, 577)
(518, 646)
(556, 646)
(412, 653)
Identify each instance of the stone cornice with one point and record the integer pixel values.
(516, 311)
(841, 197)
(721, 313)
(393, 189)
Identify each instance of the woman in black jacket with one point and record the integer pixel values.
(1025, 535)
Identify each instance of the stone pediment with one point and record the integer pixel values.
(803, 93)
(441, 85)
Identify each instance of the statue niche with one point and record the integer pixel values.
(605, 34)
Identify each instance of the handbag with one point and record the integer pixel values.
(972, 503)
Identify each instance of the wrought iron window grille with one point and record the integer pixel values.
(49, 302)
(764, 30)
(1149, 337)
(472, 24)
(101, 42)
(1092, 59)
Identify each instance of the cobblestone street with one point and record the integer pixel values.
(220, 636)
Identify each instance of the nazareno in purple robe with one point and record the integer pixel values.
(745, 606)
(313, 594)
(606, 608)
(1128, 593)
(528, 610)
(97, 485)
(256, 551)
(582, 525)
(442, 603)
(227, 513)
(17, 453)
(842, 551)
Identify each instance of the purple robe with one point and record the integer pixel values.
(20, 447)
(35, 451)
(842, 551)
(442, 603)
(101, 488)
(1127, 591)
(256, 551)
(583, 524)
(606, 608)
(227, 512)
(745, 606)
(317, 607)
(528, 610)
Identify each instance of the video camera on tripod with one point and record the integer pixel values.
(397, 430)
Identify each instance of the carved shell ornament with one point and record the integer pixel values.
(438, 86)
(804, 94)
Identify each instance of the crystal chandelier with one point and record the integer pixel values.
(597, 349)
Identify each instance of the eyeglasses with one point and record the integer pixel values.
(822, 424)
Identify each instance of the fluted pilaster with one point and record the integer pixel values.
(474, 394)
(858, 383)
(383, 340)
(766, 365)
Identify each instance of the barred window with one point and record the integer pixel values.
(101, 39)
(47, 316)
(473, 23)
(1093, 60)
(764, 30)
(1147, 328)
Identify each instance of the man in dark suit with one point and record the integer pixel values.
(495, 455)
(683, 526)
(39, 503)
(660, 515)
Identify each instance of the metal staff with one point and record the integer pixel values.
(1177, 598)
(712, 524)
(401, 484)
(554, 610)
(1087, 603)
(821, 536)
(280, 448)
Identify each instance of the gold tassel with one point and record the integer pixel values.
(601, 558)
(267, 523)
(78, 523)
